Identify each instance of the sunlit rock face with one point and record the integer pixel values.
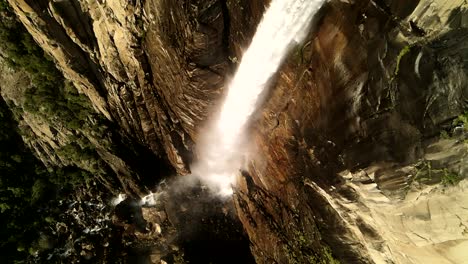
(343, 145)
(153, 67)
(366, 97)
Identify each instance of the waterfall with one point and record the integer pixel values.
(285, 23)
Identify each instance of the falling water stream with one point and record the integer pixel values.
(397, 224)
(285, 24)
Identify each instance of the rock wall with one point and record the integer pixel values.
(372, 87)
(152, 67)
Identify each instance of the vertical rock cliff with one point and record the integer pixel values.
(360, 144)
(349, 150)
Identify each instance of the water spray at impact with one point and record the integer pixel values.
(285, 23)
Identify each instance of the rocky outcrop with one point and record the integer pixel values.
(152, 66)
(352, 114)
(421, 221)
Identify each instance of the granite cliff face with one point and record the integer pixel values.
(141, 67)
(349, 160)
(366, 98)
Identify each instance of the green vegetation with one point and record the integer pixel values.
(404, 51)
(450, 178)
(27, 188)
(444, 135)
(427, 174)
(461, 120)
(23, 186)
(28, 193)
(299, 251)
(329, 259)
(52, 98)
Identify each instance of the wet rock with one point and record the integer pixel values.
(130, 212)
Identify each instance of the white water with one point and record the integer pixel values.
(285, 23)
(120, 198)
